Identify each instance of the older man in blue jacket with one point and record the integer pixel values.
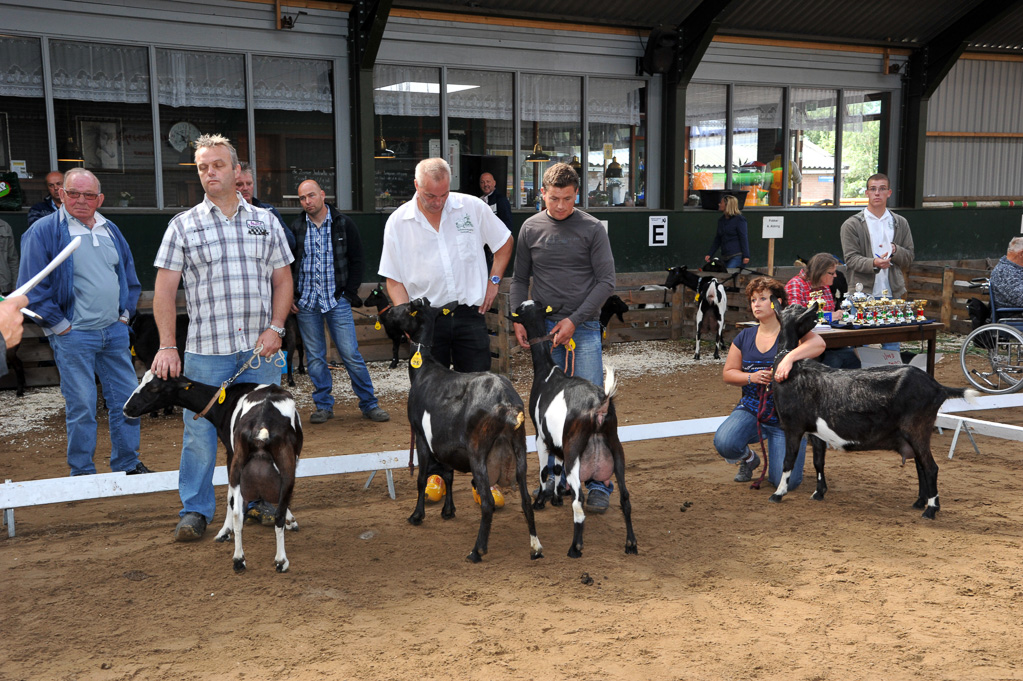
(86, 324)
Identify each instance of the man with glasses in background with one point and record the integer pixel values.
(878, 246)
(85, 305)
(51, 204)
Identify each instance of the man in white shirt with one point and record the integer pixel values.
(433, 247)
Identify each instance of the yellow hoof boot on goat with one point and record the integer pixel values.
(498, 496)
(435, 488)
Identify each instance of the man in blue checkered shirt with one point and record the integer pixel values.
(327, 272)
(234, 262)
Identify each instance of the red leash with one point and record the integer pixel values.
(762, 416)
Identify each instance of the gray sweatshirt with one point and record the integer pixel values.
(570, 262)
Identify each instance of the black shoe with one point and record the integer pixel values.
(191, 527)
(262, 512)
(138, 470)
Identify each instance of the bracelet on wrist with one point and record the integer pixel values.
(749, 379)
(169, 347)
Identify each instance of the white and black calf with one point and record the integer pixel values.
(576, 422)
(711, 301)
(466, 422)
(262, 433)
(888, 407)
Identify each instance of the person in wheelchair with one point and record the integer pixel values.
(1007, 278)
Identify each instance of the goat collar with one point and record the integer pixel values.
(217, 397)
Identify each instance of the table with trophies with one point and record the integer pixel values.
(863, 319)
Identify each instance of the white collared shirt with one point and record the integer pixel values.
(446, 264)
(881, 231)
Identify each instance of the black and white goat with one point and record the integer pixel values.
(887, 407)
(613, 307)
(395, 322)
(576, 422)
(712, 303)
(466, 422)
(262, 433)
(146, 343)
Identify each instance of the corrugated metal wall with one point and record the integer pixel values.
(977, 97)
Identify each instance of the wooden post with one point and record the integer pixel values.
(770, 257)
(947, 281)
(675, 332)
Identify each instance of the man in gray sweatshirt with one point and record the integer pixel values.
(568, 255)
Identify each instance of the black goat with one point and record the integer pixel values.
(262, 433)
(466, 422)
(576, 422)
(293, 348)
(15, 364)
(146, 343)
(395, 322)
(712, 303)
(613, 307)
(888, 407)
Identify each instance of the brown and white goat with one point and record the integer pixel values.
(466, 422)
(262, 433)
(576, 422)
(888, 407)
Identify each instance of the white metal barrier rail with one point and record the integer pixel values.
(58, 490)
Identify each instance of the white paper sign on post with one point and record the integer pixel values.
(774, 226)
(658, 230)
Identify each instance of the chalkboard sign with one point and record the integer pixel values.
(323, 177)
(395, 178)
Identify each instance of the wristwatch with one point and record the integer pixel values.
(495, 279)
(278, 330)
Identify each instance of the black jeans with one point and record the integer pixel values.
(461, 340)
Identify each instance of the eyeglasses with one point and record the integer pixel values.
(74, 194)
(876, 190)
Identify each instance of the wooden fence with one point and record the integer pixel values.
(943, 285)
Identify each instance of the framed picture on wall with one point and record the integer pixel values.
(102, 144)
(5, 143)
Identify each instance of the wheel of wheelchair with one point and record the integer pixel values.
(992, 358)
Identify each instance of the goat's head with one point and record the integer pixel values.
(154, 393)
(681, 275)
(796, 321)
(422, 316)
(532, 315)
(613, 307)
(377, 298)
(714, 265)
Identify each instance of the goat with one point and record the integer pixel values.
(466, 422)
(146, 343)
(576, 422)
(393, 321)
(613, 307)
(715, 265)
(887, 407)
(292, 347)
(262, 433)
(712, 303)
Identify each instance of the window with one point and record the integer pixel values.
(551, 110)
(406, 101)
(23, 137)
(480, 118)
(862, 142)
(103, 118)
(706, 132)
(616, 173)
(812, 121)
(294, 115)
(200, 93)
(757, 146)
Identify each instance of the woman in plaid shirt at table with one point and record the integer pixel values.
(816, 278)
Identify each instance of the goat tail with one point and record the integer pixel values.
(610, 384)
(968, 394)
(263, 435)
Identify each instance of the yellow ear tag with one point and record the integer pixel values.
(416, 361)
(223, 396)
(570, 344)
(446, 311)
(549, 309)
(132, 351)
(605, 334)
(413, 313)
(697, 298)
(515, 314)
(377, 325)
(772, 306)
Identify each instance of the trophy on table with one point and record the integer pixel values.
(920, 305)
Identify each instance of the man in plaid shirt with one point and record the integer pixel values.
(234, 262)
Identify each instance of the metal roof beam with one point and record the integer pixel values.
(366, 22)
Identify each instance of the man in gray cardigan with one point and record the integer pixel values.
(877, 244)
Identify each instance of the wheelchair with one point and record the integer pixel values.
(992, 355)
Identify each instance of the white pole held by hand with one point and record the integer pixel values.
(61, 257)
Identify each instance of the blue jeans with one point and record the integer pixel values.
(740, 430)
(81, 356)
(589, 364)
(734, 262)
(342, 331)
(199, 442)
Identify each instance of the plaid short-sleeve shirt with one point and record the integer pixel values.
(226, 265)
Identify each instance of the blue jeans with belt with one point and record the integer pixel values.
(341, 326)
(199, 442)
(81, 356)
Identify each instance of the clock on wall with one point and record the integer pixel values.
(182, 134)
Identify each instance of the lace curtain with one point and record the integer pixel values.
(551, 99)
(480, 94)
(411, 91)
(21, 67)
(290, 84)
(614, 101)
(99, 73)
